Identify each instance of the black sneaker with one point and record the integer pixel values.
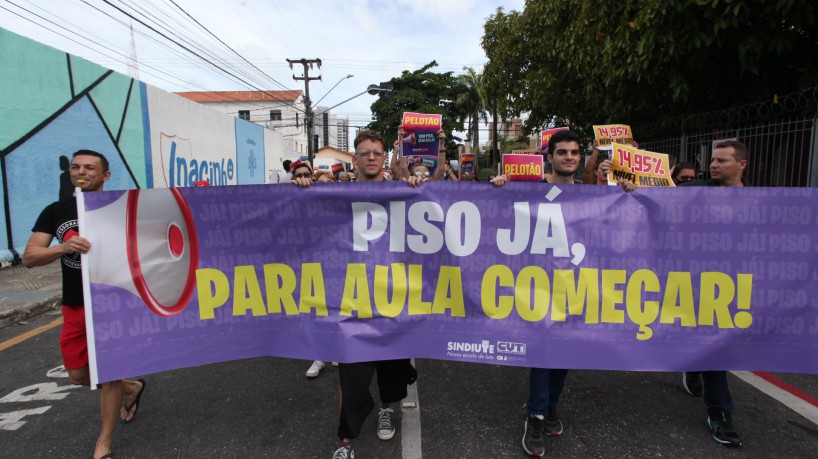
(692, 382)
(344, 452)
(721, 426)
(533, 437)
(553, 425)
(386, 428)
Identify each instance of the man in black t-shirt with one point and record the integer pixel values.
(89, 172)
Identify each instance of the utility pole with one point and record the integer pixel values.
(307, 63)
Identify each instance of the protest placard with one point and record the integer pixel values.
(523, 168)
(420, 138)
(643, 168)
(607, 134)
(466, 163)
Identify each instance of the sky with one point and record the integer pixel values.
(373, 40)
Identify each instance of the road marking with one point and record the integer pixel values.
(410, 423)
(30, 334)
(791, 397)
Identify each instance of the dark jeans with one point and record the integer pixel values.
(544, 389)
(716, 391)
(357, 402)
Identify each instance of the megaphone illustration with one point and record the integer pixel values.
(159, 245)
(410, 139)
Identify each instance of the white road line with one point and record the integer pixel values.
(794, 403)
(410, 423)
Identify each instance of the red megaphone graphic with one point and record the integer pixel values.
(159, 245)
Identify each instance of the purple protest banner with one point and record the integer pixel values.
(530, 274)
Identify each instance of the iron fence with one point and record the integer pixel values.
(781, 136)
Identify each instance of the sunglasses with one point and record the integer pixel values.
(302, 175)
(421, 174)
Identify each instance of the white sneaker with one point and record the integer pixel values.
(315, 368)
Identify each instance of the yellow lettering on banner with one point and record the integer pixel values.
(679, 286)
(247, 292)
(576, 297)
(642, 313)
(385, 307)
(416, 304)
(356, 292)
(213, 289)
(536, 310)
(717, 291)
(611, 296)
(279, 280)
(312, 290)
(449, 281)
(494, 306)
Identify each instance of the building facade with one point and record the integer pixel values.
(282, 111)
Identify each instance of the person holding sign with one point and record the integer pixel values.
(726, 169)
(89, 172)
(546, 385)
(393, 375)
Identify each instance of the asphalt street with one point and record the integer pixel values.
(266, 407)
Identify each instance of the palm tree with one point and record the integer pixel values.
(473, 104)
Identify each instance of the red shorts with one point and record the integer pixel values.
(73, 342)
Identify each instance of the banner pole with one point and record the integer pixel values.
(86, 291)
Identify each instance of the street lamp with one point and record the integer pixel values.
(330, 89)
(372, 89)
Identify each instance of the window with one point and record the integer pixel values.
(244, 115)
(296, 120)
(275, 115)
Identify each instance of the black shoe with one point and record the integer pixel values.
(534, 436)
(721, 426)
(692, 382)
(553, 425)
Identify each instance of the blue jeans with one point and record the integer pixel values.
(544, 389)
(716, 392)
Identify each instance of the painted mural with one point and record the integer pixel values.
(53, 104)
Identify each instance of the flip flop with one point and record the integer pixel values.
(135, 402)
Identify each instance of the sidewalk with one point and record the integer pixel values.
(27, 292)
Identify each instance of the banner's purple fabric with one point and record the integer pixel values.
(577, 276)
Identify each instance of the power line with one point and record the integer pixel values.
(228, 46)
(182, 45)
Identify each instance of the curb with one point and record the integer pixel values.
(29, 310)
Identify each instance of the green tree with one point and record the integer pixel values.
(420, 91)
(638, 61)
(473, 104)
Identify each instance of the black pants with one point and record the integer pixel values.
(357, 402)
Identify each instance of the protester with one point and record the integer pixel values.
(324, 177)
(355, 378)
(683, 172)
(89, 172)
(286, 176)
(301, 170)
(546, 385)
(343, 177)
(726, 169)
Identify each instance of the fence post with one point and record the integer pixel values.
(813, 153)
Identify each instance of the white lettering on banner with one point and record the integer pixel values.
(370, 221)
(462, 225)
